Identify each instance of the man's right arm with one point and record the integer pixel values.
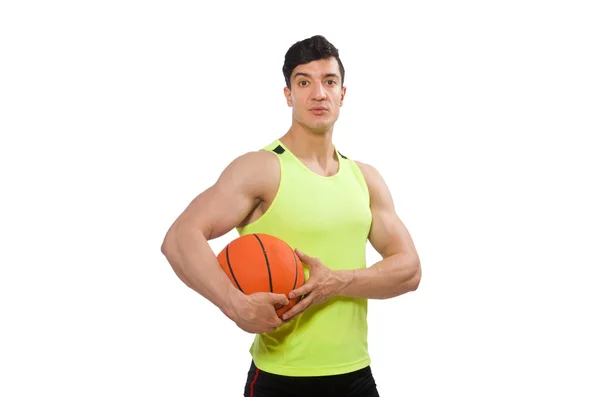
(211, 214)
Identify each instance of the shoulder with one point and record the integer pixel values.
(371, 174)
(252, 171)
(367, 169)
(250, 162)
(378, 189)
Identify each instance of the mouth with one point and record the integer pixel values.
(318, 110)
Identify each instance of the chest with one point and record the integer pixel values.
(320, 207)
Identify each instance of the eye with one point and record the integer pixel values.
(331, 82)
(303, 83)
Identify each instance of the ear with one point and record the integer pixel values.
(343, 95)
(288, 96)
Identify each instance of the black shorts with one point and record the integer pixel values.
(353, 384)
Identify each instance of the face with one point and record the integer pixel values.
(316, 94)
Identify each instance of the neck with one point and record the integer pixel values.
(310, 145)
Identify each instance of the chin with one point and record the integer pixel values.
(319, 128)
(322, 124)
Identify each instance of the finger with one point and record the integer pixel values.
(275, 323)
(280, 299)
(305, 258)
(267, 330)
(297, 308)
(303, 290)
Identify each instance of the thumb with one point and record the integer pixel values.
(281, 299)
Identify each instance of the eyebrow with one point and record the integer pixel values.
(308, 75)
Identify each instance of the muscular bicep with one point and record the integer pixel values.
(389, 236)
(218, 209)
(224, 205)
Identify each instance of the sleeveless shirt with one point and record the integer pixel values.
(328, 218)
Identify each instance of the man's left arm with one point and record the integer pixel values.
(399, 271)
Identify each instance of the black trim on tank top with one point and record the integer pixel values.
(280, 150)
(267, 261)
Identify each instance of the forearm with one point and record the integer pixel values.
(391, 277)
(194, 262)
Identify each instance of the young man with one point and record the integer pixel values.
(301, 189)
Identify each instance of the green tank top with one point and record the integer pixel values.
(328, 218)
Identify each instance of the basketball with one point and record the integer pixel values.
(262, 263)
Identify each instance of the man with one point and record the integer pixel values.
(301, 189)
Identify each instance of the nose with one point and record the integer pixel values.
(318, 92)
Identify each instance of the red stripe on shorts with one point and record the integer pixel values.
(252, 384)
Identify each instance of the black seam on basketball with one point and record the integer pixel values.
(267, 261)
(231, 270)
(296, 265)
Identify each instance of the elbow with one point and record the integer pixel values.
(170, 249)
(409, 278)
(166, 248)
(169, 244)
(415, 280)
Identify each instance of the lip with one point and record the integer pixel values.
(318, 110)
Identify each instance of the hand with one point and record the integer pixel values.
(322, 284)
(255, 313)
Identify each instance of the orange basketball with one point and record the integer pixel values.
(262, 263)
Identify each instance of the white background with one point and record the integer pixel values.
(483, 117)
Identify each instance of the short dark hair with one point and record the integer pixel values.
(308, 50)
